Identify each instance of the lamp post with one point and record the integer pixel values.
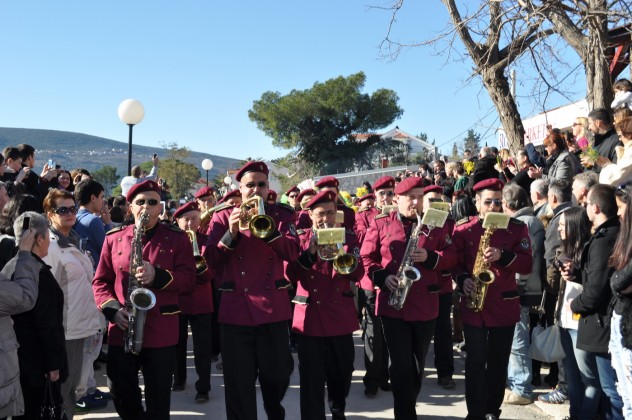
(131, 112)
(207, 165)
(227, 181)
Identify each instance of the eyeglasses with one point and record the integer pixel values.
(150, 202)
(63, 211)
(496, 202)
(325, 213)
(385, 193)
(292, 196)
(259, 184)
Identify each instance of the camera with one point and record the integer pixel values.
(51, 163)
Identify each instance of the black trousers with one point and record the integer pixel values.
(33, 396)
(408, 343)
(324, 360)
(488, 350)
(201, 330)
(255, 352)
(157, 367)
(375, 350)
(443, 355)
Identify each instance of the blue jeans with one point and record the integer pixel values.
(519, 370)
(608, 381)
(622, 364)
(584, 397)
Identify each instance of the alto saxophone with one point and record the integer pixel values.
(138, 300)
(407, 272)
(481, 274)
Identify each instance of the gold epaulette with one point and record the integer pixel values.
(116, 229)
(463, 220)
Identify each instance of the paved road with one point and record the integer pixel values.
(434, 402)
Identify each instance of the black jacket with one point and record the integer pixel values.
(605, 144)
(592, 304)
(622, 304)
(483, 169)
(40, 332)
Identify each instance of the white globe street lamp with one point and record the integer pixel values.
(207, 165)
(131, 112)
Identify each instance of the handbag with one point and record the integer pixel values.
(53, 403)
(546, 343)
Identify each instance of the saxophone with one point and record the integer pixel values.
(481, 274)
(139, 300)
(407, 273)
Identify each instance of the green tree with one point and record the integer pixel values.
(472, 142)
(318, 124)
(455, 152)
(107, 176)
(180, 176)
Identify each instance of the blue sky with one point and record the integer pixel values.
(197, 66)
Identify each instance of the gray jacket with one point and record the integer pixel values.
(18, 293)
(563, 168)
(530, 285)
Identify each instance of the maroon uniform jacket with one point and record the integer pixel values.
(253, 281)
(169, 250)
(502, 304)
(363, 219)
(303, 220)
(200, 301)
(324, 304)
(382, 252)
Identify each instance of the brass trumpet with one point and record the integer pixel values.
(206, 215)
(254, 218)
(330, 248)
(200, 262)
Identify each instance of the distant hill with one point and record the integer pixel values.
(76, 150)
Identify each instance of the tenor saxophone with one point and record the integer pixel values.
(407, 273)
(138, 300)
(481, 274)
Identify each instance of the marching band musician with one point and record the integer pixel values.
(197, 309)
(168, 268)
(205, 198)
(324, 316)
(302, 217)
(365, 203)
(443, 354)
(489, 333)
(330, 183)
(407, 331)
(292, 198)
(375, 351)
(255, 307)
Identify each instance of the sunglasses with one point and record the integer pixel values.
(292, 196)
(63, 211)
(495, 202)
(385, 193)
(259, 184)
(150, 202)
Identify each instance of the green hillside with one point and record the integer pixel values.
(76, 150)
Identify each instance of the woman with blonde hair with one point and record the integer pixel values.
(580, 128)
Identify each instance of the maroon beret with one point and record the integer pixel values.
(327, 181)
(493, 184)
(204, 191)
(142, 187)
(305, 192)
(234, 193)
(272, 195)
(384, 182)
(252, 166)
(366, 197)
(322, 196)
(433, 188)
(190, 206)
(294, 188)
(408, 184)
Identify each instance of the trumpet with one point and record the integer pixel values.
(330, 248)
(254, 218)
(206, 216)
(200, 261)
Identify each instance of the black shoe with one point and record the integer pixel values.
(385, 387)
(215, 358)
(201, 397)
(370, 392)
(178, 387)
(103, 357)
(446, 382)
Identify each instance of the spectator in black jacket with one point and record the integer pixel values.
(40, 331)
(483, 169)
(606, 139)
(593, 334)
